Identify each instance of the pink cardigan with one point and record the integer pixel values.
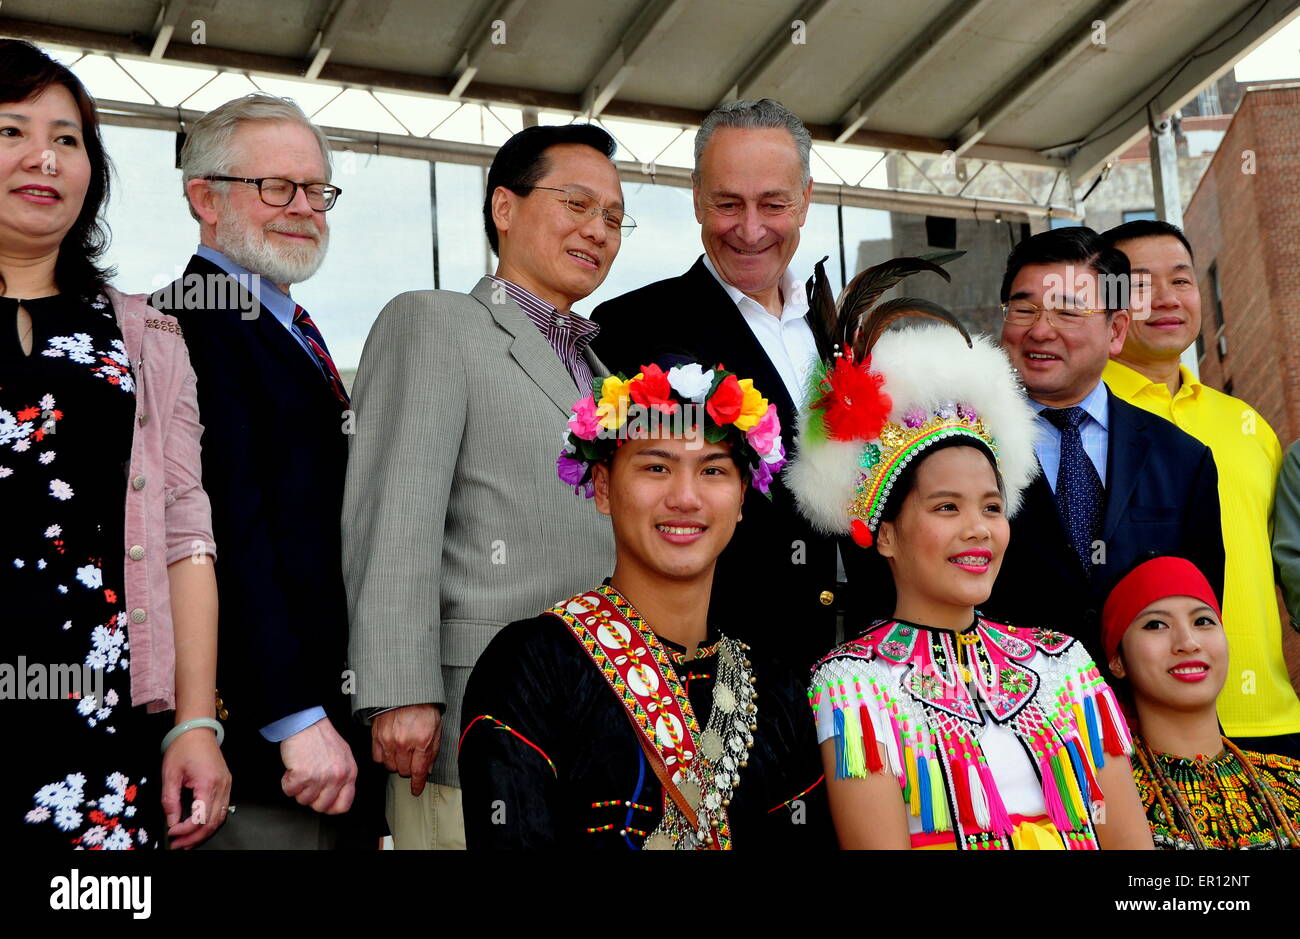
(167, 512)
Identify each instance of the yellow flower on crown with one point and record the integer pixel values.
(615, 399)
(752, 408)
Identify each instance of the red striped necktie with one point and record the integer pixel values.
(317, 342)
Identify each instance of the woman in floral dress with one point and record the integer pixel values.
(82, 766)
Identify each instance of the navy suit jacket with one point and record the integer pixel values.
(770, 581)
(1161, 497)
(274, 458)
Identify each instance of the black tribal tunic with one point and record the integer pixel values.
(548, 757)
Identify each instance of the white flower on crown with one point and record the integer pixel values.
(690, 381)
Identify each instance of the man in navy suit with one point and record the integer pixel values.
(742, 306)
(274, 412)
(1117, 482)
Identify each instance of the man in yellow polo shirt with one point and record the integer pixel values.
(1258, 707)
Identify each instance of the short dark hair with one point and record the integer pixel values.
(26, 72)
(1146, 228)
(1076, 244)
(521, 162)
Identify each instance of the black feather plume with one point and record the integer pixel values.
(822, 315)
(844, 323)
(878, 320)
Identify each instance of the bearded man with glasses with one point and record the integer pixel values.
(452, 523)
(257, 179)
(1116, 481)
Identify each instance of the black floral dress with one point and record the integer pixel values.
(81, 765)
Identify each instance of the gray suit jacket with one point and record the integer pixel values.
(454, 521)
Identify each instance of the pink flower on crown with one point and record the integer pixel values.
(764, 435)
(584, 421)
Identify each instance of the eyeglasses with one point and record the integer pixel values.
(280, 192)
(1020, 313)
(772, 208)
(580, 203)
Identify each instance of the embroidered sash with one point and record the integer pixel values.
(638, 670)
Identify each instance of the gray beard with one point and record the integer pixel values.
(251, 249)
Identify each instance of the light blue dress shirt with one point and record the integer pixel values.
(1093, 432)
(282, 307)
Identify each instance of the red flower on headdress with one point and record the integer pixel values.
(854, 406)
(725, 402)
(653, 390)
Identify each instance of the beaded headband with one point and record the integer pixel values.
(899, 444)
(881, 400)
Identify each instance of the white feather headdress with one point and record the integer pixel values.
(875, 408)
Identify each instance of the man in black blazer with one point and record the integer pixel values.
(275, 418)
(1117, 482)
(741, 306)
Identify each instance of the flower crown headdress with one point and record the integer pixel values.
(686, 399)
(877, 401)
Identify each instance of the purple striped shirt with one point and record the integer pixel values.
(567, 333)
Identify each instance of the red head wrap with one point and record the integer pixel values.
(1146, 583)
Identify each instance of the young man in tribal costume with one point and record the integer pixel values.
(620, 719)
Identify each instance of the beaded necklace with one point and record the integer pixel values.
(1179, 816)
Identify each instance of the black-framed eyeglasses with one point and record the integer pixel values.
(579, 203)
(280, 192)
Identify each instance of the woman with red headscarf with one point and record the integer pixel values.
(1163, 636)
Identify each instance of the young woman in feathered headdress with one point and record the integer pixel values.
(938, 727)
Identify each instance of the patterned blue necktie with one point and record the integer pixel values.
(1080, 497)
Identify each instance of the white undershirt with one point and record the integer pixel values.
(788, 340)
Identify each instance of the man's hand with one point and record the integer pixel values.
(319, 770)
(406, 740)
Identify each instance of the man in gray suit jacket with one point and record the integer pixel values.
(453, 524)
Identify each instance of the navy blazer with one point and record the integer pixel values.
(776, 579)
(274, 458)
(1161, 497)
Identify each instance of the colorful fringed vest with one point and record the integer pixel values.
(1039, 684)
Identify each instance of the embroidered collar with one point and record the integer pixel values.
(942, 665)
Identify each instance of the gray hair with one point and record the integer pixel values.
(210, 141)
(765, 113)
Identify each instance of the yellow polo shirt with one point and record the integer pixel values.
(1257, 699)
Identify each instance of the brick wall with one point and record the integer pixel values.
(1248, 226)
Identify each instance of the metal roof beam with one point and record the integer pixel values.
(1044, 68)
(882, 82)
(338, 74)
(169, 14)
(648, 28)
(472, 57)
(1256, 24)
(777, 45)
(331, 25)
(133, 114)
